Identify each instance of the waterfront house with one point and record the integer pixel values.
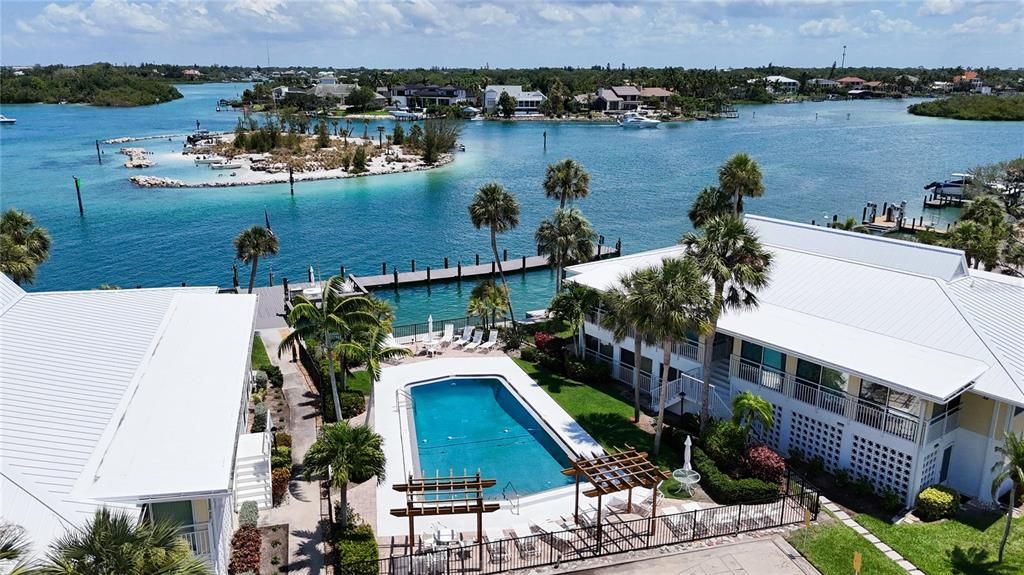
(425, 95)
(969, 78)
(618, 99)
(850, 82)
(778, 84)
(132, 399)
(823, 83)
(281, 92)
(527, 101)
(191, 74)
(889, 359)
(328, 85)
(654, 93)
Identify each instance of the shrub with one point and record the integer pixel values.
(511, 337)
(765, 464)
(575, 369)
(726, 490)
(690, 423)
(863, 487)
(547, 343)
(796, 457)
(248, 514)
(549, 361)
(279, 484)
(352, 403)
(281, 457)
(259, 379)
(282, 439)
(274, 375)
(891, 501)
(842, 477)
(528, 354)
(724, 442)
(245, 550)
(357, 550)
(816, 466)
(259, 418)
(937, 502)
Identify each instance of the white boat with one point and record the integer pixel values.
(634, 120)
(209, 160)
(225, 165)
(405, 115)
(5, 120)
(951, 187)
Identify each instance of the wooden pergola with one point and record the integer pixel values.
(620, 470)
(452, 495)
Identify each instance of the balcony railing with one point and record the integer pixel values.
(821, 396)
(943, 424)
(759, 374)
(198, 537)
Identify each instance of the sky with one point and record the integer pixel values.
(507, 34)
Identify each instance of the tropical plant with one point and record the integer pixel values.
(979, 242)
(252, 244)
(678, 301)
(496, 208)
(566, 180)
(852, 225)
(711, 202)
(571, 304)
(15, 550)
(488, 302)
(566, 239)
(336, 317)
(624, 314)
(348, 454)
(506, 104)
(1011, 469)
(986, 210)
(23, 246)
(439, 136)
(115, 543)
(731, 257)
(371, 347)
(748, 408)
(740, 176)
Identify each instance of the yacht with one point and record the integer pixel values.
(634, 120)
(5, 120)
(405, 115)
(209, 160)
(951, 187)
(226, 165)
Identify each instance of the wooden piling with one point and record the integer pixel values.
(383, 268)
(428, 274)
(477, 259)
(460, 271)
(412, 265)
(99, 156)
(78, 192)
(504, 255)
(446, 262)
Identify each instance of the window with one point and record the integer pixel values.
(751, 352)
(874, 392)
(626, 357)
(646, 364)
(763, 355)
(592, 343)
(944, 470)
(885, 396)
(808, 371)
(940, 409)
(606, 349)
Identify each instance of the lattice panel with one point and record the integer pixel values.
(929, 470)
(884, 466)
(772, 437)
(814, 438)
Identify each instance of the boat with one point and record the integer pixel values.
(951, 187)
(209, 160)
(225, 165)
(405, 115)
(5, 120)
(634, 120)
(218, 108)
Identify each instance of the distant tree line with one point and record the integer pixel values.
(97, 84)
(974, 107)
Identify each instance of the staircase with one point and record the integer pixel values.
(252, 471)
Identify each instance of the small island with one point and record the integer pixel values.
(95, 84)
(973, 107)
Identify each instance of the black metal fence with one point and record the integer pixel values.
(415, 330)
(311, 366)
(540, 547)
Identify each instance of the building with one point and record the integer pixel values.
(191, 73)
(327, 86)
(618, 99)
(660, 94)
(780, 84)
(823, 83)
(281, 92)
(850, 82)
(527, 101)
(131, 399)
(969, 77)
(425, 95)
(889, 359)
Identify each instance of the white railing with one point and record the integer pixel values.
(767, 377)
(688, 350)
(268, 437)
(198, 537)
(819, 396)
(625, 374)
(943, 424)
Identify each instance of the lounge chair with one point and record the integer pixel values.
(680, 524)
(492, 340)
(449, 334)
(466, 337)
(478, 336)
(390, 341)
(497, 545)
(557, 534)
(526, 545)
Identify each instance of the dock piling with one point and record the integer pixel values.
(383, 268)
(523, 265)
(504, 255)
(394, 271)
(342, 274)
(492, 268)
(460, 271)
(291, 180)
(428, 274)
(99, 157)
(284, 284)
(78, 192)
(477, 259)
(446, 262)
(413, 265)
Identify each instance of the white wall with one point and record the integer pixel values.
(222, 523)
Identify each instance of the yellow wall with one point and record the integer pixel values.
(976, 413)
(737, 346)
(1018, 423)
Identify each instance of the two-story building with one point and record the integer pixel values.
(135, 400)
(890, 359)
(527, 101)
(425, 95)
(618, 99)
(850, 83)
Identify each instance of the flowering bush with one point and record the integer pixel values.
(245, 550)
(765, 464)
(547, 343)
(937, 502)
(279, 483)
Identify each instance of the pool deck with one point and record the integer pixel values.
(391, 421)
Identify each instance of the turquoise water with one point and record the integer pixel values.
(642, 183)
(464, 425)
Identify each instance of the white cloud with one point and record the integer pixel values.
(939, 7)
(886, 25)
(988, 25)
(555, 13)
(760, 30)
(826, 27)
(25, 26)
(491, 15)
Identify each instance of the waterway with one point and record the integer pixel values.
(818, 159)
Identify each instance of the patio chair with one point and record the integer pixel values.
(390, 341)
(525, 545)
(492, 340)
(478, 337)
(466, 337)
(449, 334)
(496, 545)
(681, 525)
(557, 534)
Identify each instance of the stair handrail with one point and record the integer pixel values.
(513, 503)
(408, 396)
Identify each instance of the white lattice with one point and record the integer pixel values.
(884, 466)
(929, 470)
(771, 437)
(814, 438)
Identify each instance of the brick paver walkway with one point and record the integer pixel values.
(870, 537)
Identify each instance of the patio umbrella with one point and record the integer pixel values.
(686, 454)
(310, 274)
(430, 325)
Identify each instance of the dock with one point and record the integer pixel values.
(938, 201)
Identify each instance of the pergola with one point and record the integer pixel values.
(452, 495)
(621, 470)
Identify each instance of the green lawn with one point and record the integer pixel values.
(260, 359)
(358, 381)
(968, 544)
(830, 548)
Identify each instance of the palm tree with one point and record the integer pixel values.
(851, 225)
(566, 239)
(114, 542)
(748, 408)
(986, 210)
(23, 246)
(980, 242)
(731, 257)
(336, 317)
(677, 300)
(710, 202)
(488, 302)
(1010, 468)
(623, 312)
(494, 207)
(348, 454)
(740, 176)
(571, 305)
(15, 549)
(566, 180)
(370, 347)
(251, 245)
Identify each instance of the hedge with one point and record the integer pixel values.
(279, 479)
(245, 550)
(937, 502)
(728, 491)
(248, 514)
(357, 551)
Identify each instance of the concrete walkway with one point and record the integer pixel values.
(870, 537)
(301, 509)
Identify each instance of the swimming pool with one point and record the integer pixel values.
(464, 424)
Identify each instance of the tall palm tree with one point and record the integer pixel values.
(624, 312)
(571, 305)
(15, 549)
(496, 208)
(348, 454)
(370, 347)
(336, 317)
(1010, 468)
(985, 210)
(252, 244)
(566, 239)
(711, 202)
(748, 408)
(678, 300)
(740, 176)
(23, 246)
(566, 180)
(731, 257)
(488, 302)
(114, 542)
(980, 242)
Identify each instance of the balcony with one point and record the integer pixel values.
(693, 351)
(198, 537)
(942, 424)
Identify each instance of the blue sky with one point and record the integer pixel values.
(412, 33)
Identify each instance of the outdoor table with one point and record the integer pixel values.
(686, 478)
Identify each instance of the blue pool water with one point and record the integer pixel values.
(465, 424)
